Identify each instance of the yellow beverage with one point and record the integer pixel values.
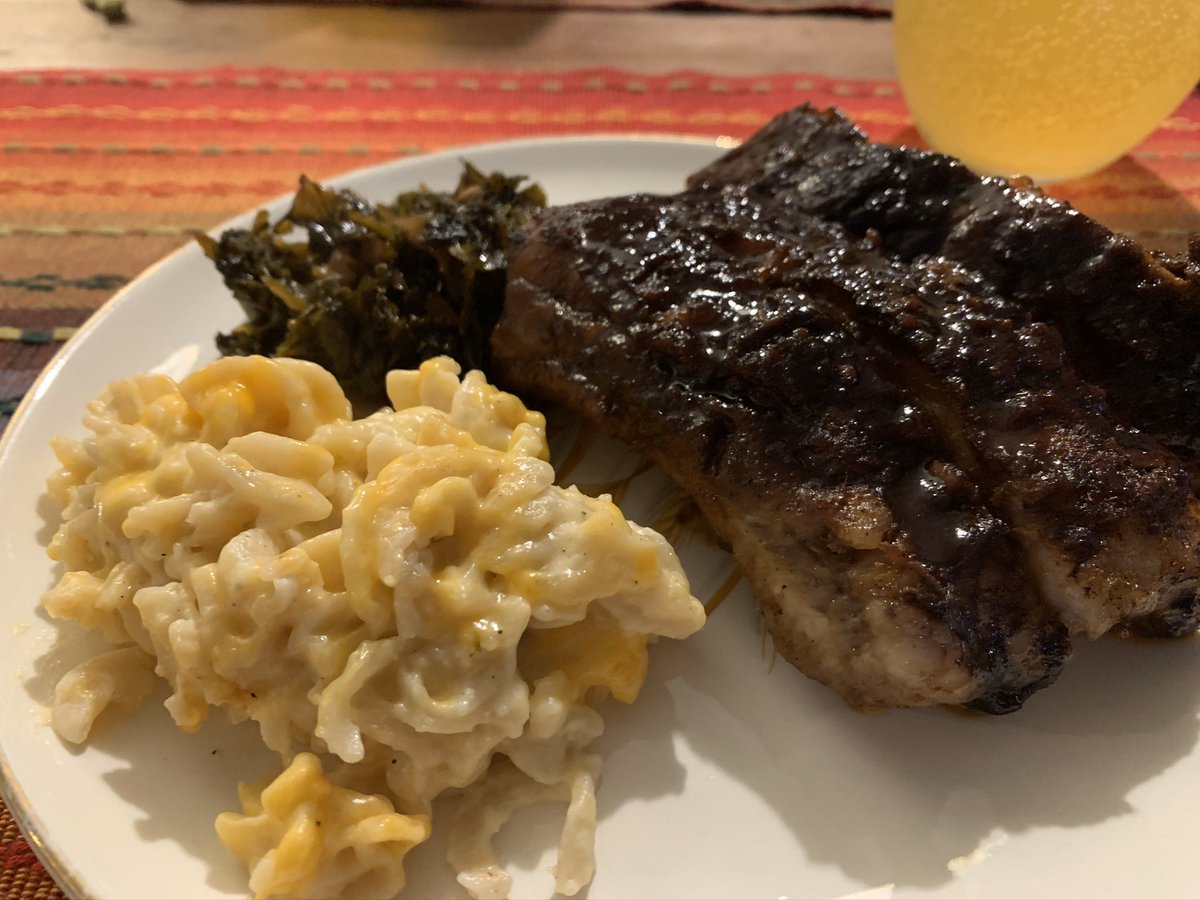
(1049, 88)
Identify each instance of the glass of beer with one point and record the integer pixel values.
(1054, 89)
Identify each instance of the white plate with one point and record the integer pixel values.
(731, 777)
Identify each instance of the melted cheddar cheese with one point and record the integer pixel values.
(404, 603)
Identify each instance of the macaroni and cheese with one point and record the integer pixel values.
(406, 604)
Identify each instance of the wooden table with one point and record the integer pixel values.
(176, 34)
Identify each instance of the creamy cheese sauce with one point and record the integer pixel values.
(406, 604)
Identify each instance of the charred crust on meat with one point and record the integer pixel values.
(880, 378)
(756, 389)
(1124, 317)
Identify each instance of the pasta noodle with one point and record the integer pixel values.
(406, 604)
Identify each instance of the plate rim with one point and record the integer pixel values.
(11, 791)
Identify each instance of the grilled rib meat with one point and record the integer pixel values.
(1106, 515)
(680, 325)
(1129, 317)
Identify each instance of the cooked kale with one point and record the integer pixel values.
(375, 287)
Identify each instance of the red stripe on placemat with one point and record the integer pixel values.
(22, 876)
(18, 855)
(121, 150)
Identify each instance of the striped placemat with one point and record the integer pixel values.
(103, 172)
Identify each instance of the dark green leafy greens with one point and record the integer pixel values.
(375, 287)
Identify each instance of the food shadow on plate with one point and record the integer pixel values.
(69, 646)
(179, 782)
(210, 764)
(898, 797)
(151, 754)
(639, 763)
(902, 797)
(155, 753)
(50, 515)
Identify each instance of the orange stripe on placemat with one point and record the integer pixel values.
(574, 117)
(111, 188)
(20, 149)
(94, 158)
(124, 154)
(529, 100)
(84, 83)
